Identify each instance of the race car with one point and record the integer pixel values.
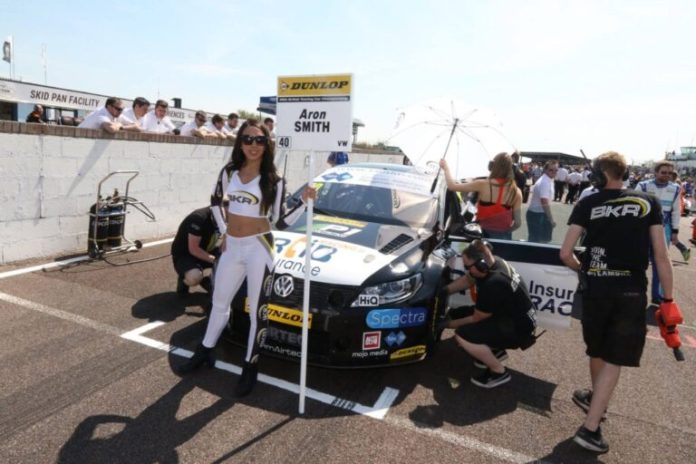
(384, 240)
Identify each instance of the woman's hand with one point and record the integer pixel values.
(309, 192)
(444, 165)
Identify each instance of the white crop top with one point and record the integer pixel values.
(245, 200)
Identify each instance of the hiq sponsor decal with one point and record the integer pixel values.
(368, 300)
(396, 318)
(551, 298)
(407, 352)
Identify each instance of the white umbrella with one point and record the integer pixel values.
(466, 136)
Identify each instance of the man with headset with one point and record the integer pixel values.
(619, 226)
(503, 315)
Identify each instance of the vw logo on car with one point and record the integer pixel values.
(283, 286)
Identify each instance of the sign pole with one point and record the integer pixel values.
(305, 297)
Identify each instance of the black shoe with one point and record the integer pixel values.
(181, 287)
(201, 356)
(207, 285)
(582, 398)
(247, 380)
(592, 441)
(490, 379)
(500, 355)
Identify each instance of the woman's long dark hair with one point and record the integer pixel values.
(269, 174)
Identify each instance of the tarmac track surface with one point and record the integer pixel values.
(86, 377)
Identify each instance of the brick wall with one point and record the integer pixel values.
(49, 177)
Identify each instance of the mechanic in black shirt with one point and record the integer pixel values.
(194, 249)
(503, 316)
(619, 227)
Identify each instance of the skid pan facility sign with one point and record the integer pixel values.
(314, 113)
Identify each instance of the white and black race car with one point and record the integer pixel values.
(383, 236)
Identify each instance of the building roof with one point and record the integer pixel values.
(544, 156)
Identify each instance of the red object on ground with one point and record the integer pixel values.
(668, 316)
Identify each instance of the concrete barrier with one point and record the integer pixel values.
(49, 177)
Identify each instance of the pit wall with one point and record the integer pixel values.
(49, 177)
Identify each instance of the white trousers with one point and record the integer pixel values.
(250, 257)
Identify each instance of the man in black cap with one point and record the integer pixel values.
(194, 249)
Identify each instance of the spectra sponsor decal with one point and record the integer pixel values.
(407, 352)
(396, 318)
(283, 315)
(371, 340)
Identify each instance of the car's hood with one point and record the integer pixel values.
(344, 251)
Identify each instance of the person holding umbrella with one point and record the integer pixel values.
(499, 198)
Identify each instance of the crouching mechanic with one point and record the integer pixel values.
(503, 316)
(194, 249)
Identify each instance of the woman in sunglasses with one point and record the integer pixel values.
(255, 193)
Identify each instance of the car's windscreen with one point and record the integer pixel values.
(375, 204)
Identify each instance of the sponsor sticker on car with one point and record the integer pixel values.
(396, 318)
(371, 340)
(283, 315)
(368, 300)
(407, 352)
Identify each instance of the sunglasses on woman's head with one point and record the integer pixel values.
(249, 139)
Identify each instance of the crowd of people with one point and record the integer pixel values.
(114, 117)
(622, 229)
(235, 237)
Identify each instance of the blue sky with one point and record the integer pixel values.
(560, 75)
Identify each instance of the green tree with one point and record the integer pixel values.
(244, 114)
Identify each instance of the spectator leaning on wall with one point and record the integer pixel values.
(132, 118)
(157, 121)
(36, 116)
(107, 118)
(195, 128)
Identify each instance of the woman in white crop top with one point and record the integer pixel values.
(254, 191)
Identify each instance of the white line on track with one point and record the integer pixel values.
(377, 411)
(463, 440)
(55, 264)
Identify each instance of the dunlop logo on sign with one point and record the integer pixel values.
(311, 86)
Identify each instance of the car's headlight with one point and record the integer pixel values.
(391, 292)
